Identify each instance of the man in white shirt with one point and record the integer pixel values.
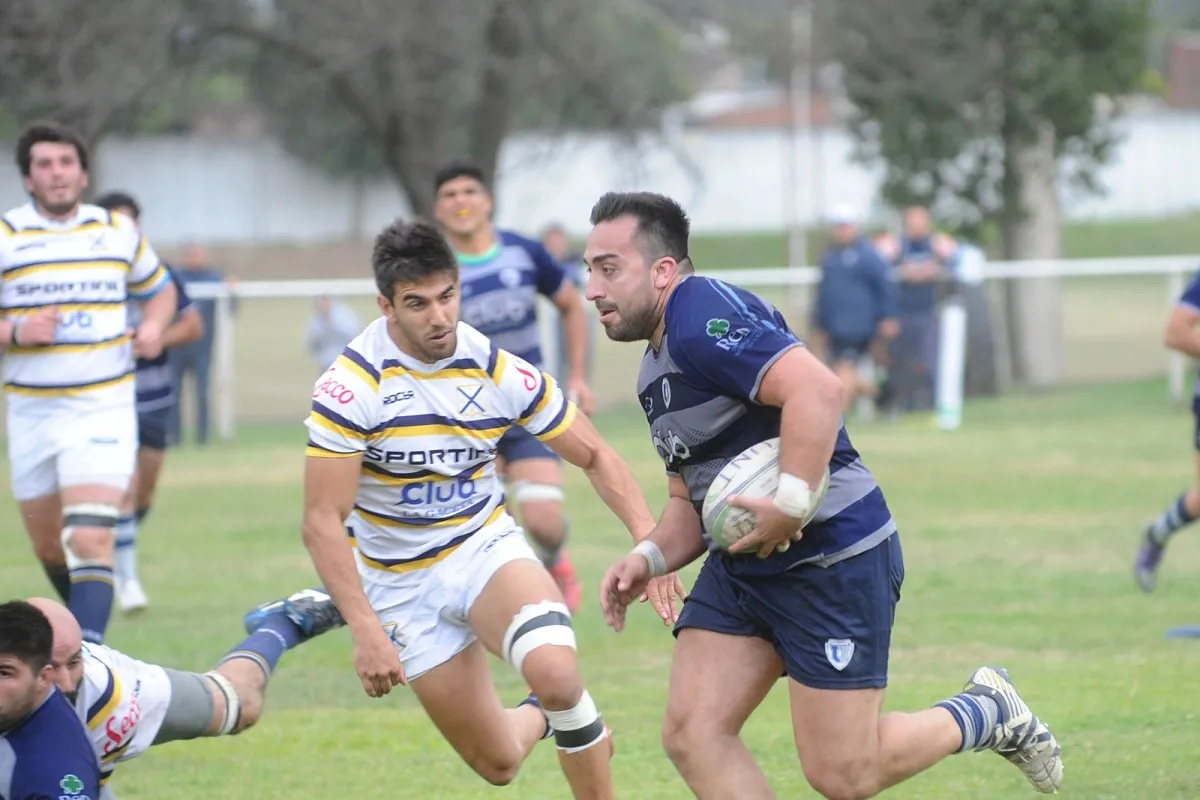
(67, 270)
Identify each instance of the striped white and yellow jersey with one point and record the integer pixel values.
(122, 701)
(86, 267)
(427, 434)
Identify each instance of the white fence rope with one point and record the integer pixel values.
(1175, 268)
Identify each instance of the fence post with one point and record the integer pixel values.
(225, 385)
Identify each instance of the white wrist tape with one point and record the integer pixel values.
(793, 497)
(653, 555)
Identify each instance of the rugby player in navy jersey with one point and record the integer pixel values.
(45, 752)
(502, 275)
(722, 372)
(1180, 335)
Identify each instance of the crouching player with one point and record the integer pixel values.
(405, 521)
(129, 705)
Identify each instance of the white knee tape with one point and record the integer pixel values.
(233, 703)
(578, 728)
(85, 515)
(528, 492)
(534, 626)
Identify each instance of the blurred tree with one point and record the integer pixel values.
(975, 108)
(948, 92)
(402, 87)
(84, 63)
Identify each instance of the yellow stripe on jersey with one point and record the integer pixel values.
(159, 274)
(112, 756)
(548, 387)
(325, 419)
(97, 717)
(141, 249)
(405, 480)
(62, 348)
(343, 361)
(446, 429)
(320, 452)
(64, 308)
(57, 266)
(561, 427)
(501, 364)
(91, 225)
(436, 558)
(66, 391)
(457, 373)
(387, 522)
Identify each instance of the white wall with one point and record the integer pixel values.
(247, 192)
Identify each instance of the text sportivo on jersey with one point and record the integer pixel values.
(426, 436)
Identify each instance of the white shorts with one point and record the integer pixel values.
(425, 612)
(89, 447)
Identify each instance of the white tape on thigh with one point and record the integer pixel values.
(233, 703)
(528, 492)
(85, 515)
(534, 626)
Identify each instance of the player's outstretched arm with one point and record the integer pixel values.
(581, 444)
(330, 487)
(1181, 334)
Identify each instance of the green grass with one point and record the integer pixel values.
(1018, 532)
(1170, 236)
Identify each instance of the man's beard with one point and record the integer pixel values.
(633, 326)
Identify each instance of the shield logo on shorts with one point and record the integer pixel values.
(839, 652)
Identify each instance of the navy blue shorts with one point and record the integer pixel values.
(519, 444)
(152, 429)
(847, 350)
(832, 626)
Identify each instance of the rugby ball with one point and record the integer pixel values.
(754, 473)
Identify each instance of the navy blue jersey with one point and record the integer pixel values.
(49, 756)
(500, 289)
(155, 388)
(1190, 299)
(700, 395)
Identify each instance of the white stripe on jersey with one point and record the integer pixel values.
(426, 434)
(86, 267)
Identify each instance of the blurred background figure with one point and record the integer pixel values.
(854, 313)
(330, 328)
(558, 244)
(195, 359)
(923, 262)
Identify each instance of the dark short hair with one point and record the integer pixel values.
(114, 200)
(25, 634)
(410, 252)
(457, 169)
(663, 225)
(48, 132)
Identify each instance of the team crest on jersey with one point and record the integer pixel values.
(840, 652)
(510, 277)
(468, 395)
(72, 788)
(666, 393)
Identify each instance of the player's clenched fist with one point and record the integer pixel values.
(624, 582)
(39, 327)
(377, 662)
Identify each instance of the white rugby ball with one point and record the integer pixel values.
(753, 473)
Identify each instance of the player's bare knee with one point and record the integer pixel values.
(88, 532)
(841, 779)
(540, 643)
(498, 764)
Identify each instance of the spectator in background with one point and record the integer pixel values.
(558, 244)
(923, 260)
(330, 328)
(854, 315)
(195, 358)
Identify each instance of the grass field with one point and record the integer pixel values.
(1018, 534)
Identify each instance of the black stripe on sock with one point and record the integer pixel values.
(582, 737)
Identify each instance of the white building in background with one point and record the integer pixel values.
(731, 180)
